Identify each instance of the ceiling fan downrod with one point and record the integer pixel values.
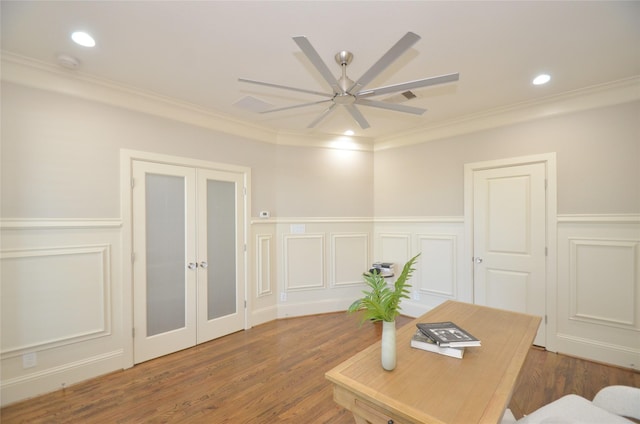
(343, 59)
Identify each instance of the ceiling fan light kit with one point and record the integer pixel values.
(349, 93)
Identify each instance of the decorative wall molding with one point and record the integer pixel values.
(63, 280)
(304, 262)
(263, 264)
(58, 223)
(52, 291)
(594, 263)
(349, 258)
(599, 289)
(453, 219)
(420, 219)
(599, 219)
(437, 271)
(393, 247)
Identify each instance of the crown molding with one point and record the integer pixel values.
(33, 73)
(45, 76)
(29, 72)
(608, 94)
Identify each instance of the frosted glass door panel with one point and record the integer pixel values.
(221, 249)
(165, 241)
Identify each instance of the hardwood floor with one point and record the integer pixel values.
(273, 373)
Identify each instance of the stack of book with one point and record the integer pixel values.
(445, 338)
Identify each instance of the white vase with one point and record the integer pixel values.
(388, 354)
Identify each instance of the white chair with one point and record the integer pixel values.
(610, 405)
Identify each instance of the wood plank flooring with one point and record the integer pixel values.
(273, 373)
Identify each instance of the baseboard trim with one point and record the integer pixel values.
(610, 354)
(263, 315)
(52, 379)
(298, 309)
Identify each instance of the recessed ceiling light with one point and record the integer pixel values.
(349, 132)
(83, 39)
(541, 79)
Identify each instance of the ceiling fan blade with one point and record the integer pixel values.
(391, 106)
(387, 59)
(322, 116)
(295, 106)
(359, 117)
(409, 85)
(301, 90)
(317, 62)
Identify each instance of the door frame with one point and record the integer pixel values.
(127, 157)
(549, 159)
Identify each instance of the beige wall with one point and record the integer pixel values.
(317, 182)
(598, 164)
(60, 159)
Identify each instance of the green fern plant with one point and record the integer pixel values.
(382, 303)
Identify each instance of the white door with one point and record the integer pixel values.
(188, 238)
(509, 239)
(221, 295)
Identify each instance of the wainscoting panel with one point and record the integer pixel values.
(602, 277)
(349, 258)
(437, 265)
(321, 263)
(264, 244)
(42, 299)
(599, 288)
(304, 261)
(393, 247)
(439, 273)
(262, 304)
(62, 308)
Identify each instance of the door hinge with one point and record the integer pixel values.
(244, 191)
(545, 184)
(133, 332)
(133, 183)
(133, 257)
(244, 247)
(245, 304)
(546, 251)
(545, 320)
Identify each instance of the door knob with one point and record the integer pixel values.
(204, 264)
(477, 260)
(192, 265)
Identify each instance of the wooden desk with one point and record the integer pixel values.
(427, 387)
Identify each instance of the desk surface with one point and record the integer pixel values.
(427, 387)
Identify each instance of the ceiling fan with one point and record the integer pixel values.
(349, 93)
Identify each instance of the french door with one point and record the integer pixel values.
(188, 245)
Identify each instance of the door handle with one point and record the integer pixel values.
(477, 260)
(204, 264)
(192, 265)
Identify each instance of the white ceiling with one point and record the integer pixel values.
(196, 51)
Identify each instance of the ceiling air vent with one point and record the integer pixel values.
(400, 98)
(252, 104)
